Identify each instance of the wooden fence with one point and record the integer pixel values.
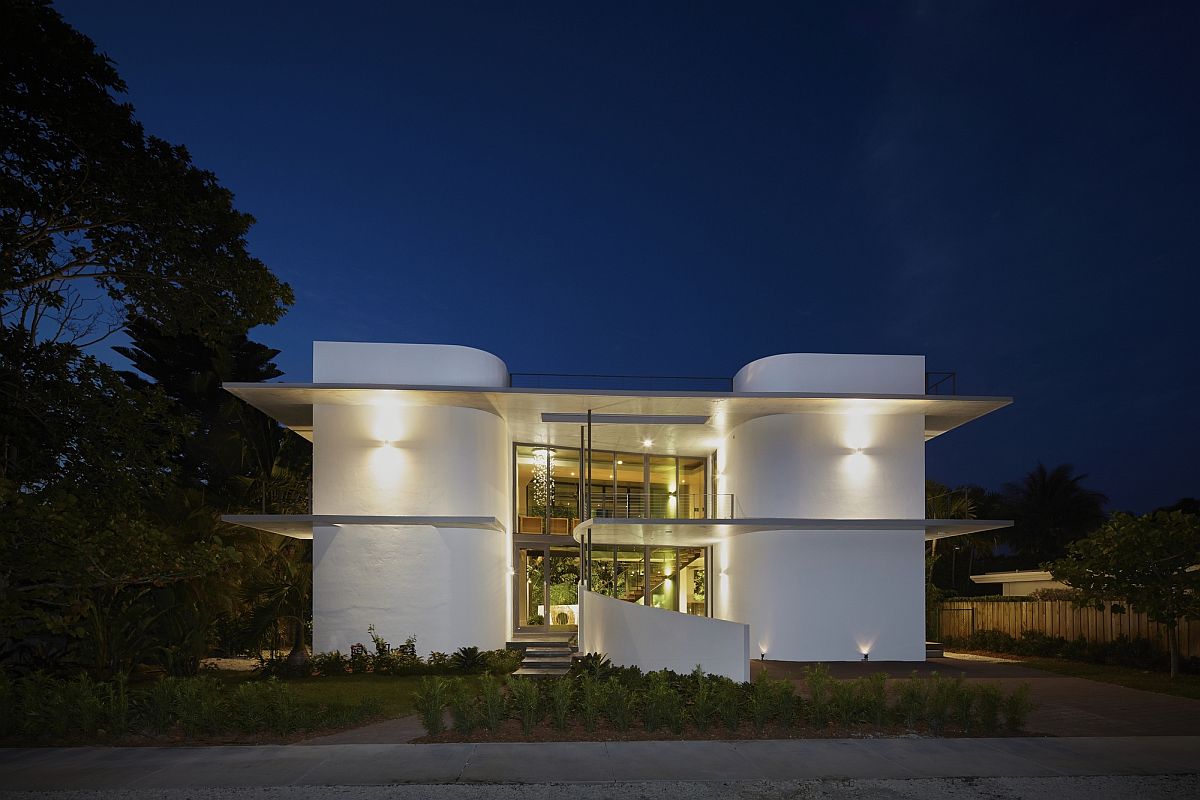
(958, 619)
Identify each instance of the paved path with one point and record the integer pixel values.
(159, 768)
(1066, 706)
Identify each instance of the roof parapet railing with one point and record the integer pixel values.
(941, 383)
(574, 380)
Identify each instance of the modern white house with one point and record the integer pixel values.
(778, 516)
(1019, 583)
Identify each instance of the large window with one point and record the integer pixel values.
(674, 578)
(623, 485)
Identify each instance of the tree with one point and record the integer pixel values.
(100, 222)
(1149, 563)
(1051, 509)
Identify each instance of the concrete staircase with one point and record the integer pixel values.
(546, 656)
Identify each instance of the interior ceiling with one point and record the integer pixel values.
(522, 409)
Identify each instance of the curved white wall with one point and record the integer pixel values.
(826, 466)
(655, 638)
(833, 374)
(444, 586)
(406, 364)
(826, 595)
(449, 587)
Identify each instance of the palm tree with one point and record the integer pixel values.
(1051, 509)
(282, 591)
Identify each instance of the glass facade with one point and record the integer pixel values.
(673, 578)
(623, 485)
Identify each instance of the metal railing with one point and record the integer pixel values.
(635, 504)
(941, 383)
(660, 383)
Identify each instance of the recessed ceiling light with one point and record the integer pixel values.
(620, 462)
(647, 442)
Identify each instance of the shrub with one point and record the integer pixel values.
(329, 664)
(594, 665)
(491, 702)
(430, 702)
(787, 701)
(762, 701)
(438, 660)
(729, 703)
(661, 704)
(873, 702)
(468, 660)
(844, 701)
(994, 641)
(1017, 707)
(910, 701)
(704, 699)
(963, 703)
(382, 648)
(591, 701)
(819, 681)
(360, 663)
(502, 662)
(619, 705)
(526, 702)
(463, 710)
(562, 698)
(989, 697)
(939, 699)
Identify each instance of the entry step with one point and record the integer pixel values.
(934, 649)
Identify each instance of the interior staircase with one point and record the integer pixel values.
(546, 655)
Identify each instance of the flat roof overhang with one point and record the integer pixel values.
(300, 526)
(702, 416)
(1018, 576)
(704, 532)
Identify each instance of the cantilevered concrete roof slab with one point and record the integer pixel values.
(704, 417)
(300, 526)
(704, 532)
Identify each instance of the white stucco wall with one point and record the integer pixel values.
(826, 466)
(825, 596)
(406, 364)
(829, 373)
(654, 638)
(813, 595)
(448, 586)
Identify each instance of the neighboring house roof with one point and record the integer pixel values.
(1016, 576)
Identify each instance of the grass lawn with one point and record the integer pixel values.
(1182, 686)
(393, 692)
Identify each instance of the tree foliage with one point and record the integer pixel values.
(1051, 508)
(112, 552)
(100, 222)
(1150, 563)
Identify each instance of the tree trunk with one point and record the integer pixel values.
(299, 655)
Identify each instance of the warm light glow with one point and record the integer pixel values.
(647, 442)
(619, 462)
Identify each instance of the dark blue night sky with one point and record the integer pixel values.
(1012, 189)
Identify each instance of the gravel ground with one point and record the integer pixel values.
(1142, 787)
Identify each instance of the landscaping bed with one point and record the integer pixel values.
(600, 703)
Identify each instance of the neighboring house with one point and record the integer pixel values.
(1020, 582)
(781, 516)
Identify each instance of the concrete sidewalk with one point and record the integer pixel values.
(156, 768)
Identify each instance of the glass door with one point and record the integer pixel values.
(547, 588)
(563, 588)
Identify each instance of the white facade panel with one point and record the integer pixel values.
(826, 466)
(406, 364)
(441, 585)
(828, 373)
(653, 638)
(826, 596)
